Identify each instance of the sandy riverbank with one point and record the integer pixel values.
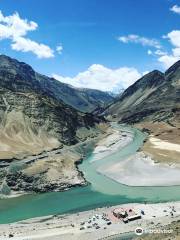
(163, 143)
(160, 144)
(115, 140)
(156, 216)
(76, 226)
(140, 170)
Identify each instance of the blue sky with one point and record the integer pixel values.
(100, 39)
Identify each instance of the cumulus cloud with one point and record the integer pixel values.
(176, 52)
(27, 45)
(100, 77)
(174, 37)
(15, 28)
(132, 38)
(168, 59)
(175, 9)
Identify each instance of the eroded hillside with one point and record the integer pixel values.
(153, 104)
(35, 128)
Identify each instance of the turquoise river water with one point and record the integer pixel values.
(101, 191)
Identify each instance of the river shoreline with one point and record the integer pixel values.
(126, 191)
(116, 140)
(139, 169)
(75, 226)
(75, 178)
(128, 172)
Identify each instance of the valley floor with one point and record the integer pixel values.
(141, 168)
(80, 226)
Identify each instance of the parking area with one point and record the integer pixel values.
(96, 221)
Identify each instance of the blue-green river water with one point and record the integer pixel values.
(101, 191)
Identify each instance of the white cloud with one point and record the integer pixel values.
(174, 37)
(100, 77)
(27, 45)
(15, 28)
(131, 38)
(176, 52)
(160, 52)
(175, 9)
(149, 52)
(59, 49)
(168, 59)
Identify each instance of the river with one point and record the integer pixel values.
(101, 191)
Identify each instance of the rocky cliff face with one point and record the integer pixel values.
(33, 120)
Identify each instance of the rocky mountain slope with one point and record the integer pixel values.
(34, 123)
(154, 97)
(85, 100)
(153, 103)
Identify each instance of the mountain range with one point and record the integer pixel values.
(153, 105)
(37, 128)
(47, 127)
(32, 109)
(155, 97)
